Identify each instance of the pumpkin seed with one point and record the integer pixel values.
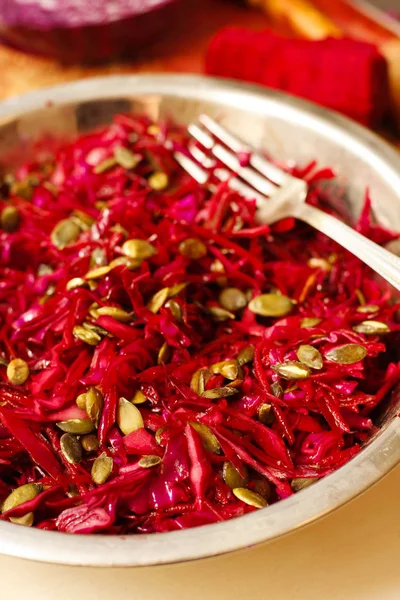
(276, 389)
(93, 310)
(105, 165)
(116, 313)
(271, 305)
(158, 436)
(102, 468)
(368, 308)
(310, 356)
(22, 494)
(64, 233)
(246, 355)
(24, 188)
(139, 249)
(308, 322)
(9, 218)
(129, 263)
(82, 219)
(17, 371)
(249, 497)
(219, 314)
(158, 300)
(232, 477)
(209, 441)
(227, 368)
(139, 398)
(72, 491)
(94, 404)
(129, 417)
(199, 380)
(319, 263)
(147, 462)
(193, 249)
(265, 414)
(89, 337)
(96, 329)
(125, 158)
(372, 328)
(232, 299)
(164, 354)
(98, 273)
(222, 392)
(175, 309)
(81, 401)
(90, 443)
(347, 354)
(360, 297)
(299, 483)
(176, 289)
(292, 370)
(98, 258)
(44, 270)
(76, 282)
(158, 181)
(71, 448)
(76, 426)
(262, 487)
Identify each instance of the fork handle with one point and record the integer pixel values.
(380, 260)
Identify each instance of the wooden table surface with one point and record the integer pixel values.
(180, 51)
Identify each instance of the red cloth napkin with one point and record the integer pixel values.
(346, 75)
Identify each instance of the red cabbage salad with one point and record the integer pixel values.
(165, 360)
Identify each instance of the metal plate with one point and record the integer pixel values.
(291, 130)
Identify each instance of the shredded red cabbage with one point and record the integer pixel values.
(166, 361)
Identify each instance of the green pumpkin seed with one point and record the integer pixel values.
(139, 398)
(105, 165)
(232, 299)
(93, 310)
(82, 219)
(309, 322)
(9, 219)
(176, 289)
(271, 305)
(199, 380)
(292, 370)
(90, 443)
(94, 404)
(372, 328)
(219, 314)
(246, 355)
(227, 368)
(22, 494)
(347, 354)
(81, 401)
(262, 487)
(164, 354)
(158, 181)
(175, 309)
(300, 483)
(222, 392)
(66, 232)
(98, 258)
(209, 441)
(158, 300)
(138, 249)
(76, 426)
(72, 491)
(102, 468)
(147, 462)
(129, 417)
(276, 389)
(158, 436)
(368, 308)
(24, 188)
(265, 414)
(71, 448)
(76, 282)
(96, 329)
(125, 158)
(89, 337)
(44, 270)
(319, 263)
(232, 477)
(129, 263)
(116, 313)
(17, 371)
(193, 249)
(98, 273)
(249, 497)
(310, 356)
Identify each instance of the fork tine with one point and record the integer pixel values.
(191, 167)
(259, 182)
(257, 161)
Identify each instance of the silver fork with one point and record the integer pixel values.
(278, 195)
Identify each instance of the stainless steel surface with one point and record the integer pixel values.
(280, 195)
(286, 128)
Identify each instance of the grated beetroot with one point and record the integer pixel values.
(217, 426)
